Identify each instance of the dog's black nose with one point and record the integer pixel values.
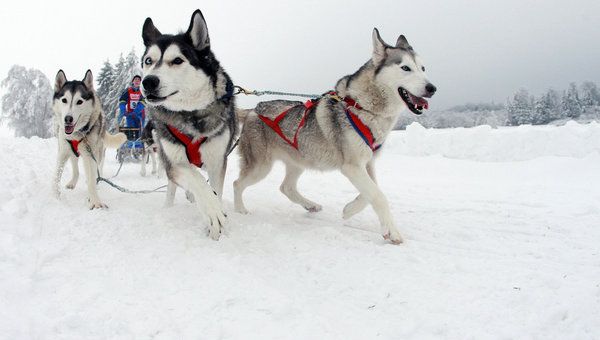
(430, 88)
(150, 83)
(68, 119)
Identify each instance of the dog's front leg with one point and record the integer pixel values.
(191, 179)
(75, 175)
(360, 202)
(91, 173)
(366, 186)
(60, 166)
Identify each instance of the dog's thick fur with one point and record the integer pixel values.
(79, 116)
(185, 87)
(386, 84)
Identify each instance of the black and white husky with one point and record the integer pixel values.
(81, 131)
(191, 102)
(343, 130)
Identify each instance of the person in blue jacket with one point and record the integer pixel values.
(131, 105)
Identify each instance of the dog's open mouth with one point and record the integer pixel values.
(415, 104)
(156, 99)
(69, 128)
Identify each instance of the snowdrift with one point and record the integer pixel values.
(503, 144)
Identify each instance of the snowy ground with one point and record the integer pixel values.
(494, 250)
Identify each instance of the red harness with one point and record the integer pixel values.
(361, 128)
(274, 124)
(74, 146)
(192, 149)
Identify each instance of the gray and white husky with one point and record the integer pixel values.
(80, 128)
(191, 102)
(342, 130)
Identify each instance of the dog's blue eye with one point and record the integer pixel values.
(79, 102)
(148, 61)
(177, 61)
(64, 100)
(406, 68)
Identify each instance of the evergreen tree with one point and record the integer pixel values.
(590, 97)
(26, 106)
(521, 108)
(571, 103)
(105, 80)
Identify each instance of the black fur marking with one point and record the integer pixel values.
(73, 87)
(203, 59)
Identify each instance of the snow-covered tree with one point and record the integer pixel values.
(571, 103)
(26, 105)
(590, 97)
(520, 108)
(105, 82)
(547, 108)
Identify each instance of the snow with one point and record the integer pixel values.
(501, 249)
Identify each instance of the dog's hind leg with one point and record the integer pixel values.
(366, 186)
(143, 162)
(289, 188)
(60, 166)
(171, 189)
(153, 157)
(360, 202)
(248, 177)
(75, 173)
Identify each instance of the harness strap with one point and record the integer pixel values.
(192, 149)
(74, 146)
(363, 130)
(274, 124)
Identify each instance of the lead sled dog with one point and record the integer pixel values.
(192, 106)
(343, 130)
(80, 128)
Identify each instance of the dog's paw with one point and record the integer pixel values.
(97, 205)
(143, 173)
(393, 236)
(217, 221)
(241, 210)
(70, 185)
(314, 208)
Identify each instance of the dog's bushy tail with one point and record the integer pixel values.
(114, 141)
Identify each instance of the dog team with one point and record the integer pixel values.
(196, 125)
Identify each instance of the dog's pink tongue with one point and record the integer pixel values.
(419, 101)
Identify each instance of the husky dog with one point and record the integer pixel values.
(191, 101)
(81, 130)
(150, 148)
(342, 130)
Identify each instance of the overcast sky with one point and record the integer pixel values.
(475, 51)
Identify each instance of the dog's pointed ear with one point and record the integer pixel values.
(379, 52)
(149, 32)
(198, 31)
(403, 43)
(88, 80)
(59, 81)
